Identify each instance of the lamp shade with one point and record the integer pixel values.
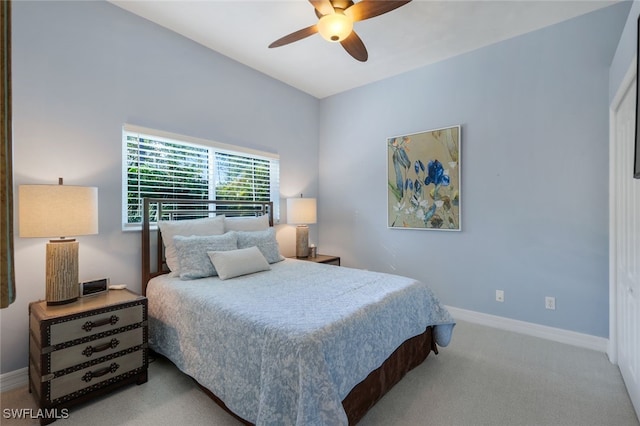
(301, 211)
(57, 210)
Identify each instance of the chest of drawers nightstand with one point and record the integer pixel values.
(322, 258)
(86, 348)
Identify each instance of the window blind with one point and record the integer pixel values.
(158, 166)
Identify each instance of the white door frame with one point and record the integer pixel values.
(624, 281)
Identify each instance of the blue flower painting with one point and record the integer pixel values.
(424, 180)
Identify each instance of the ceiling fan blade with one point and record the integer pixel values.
(355, 47)
(324, 7)
(295, 36)
(366, 9)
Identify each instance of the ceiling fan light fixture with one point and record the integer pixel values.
(335, 27)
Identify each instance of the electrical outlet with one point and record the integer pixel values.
(550, 302)
(499, 295)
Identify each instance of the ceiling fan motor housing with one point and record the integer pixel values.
(340, 5)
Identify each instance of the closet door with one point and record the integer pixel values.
(625, 242)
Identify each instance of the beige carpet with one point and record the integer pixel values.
(485, 377)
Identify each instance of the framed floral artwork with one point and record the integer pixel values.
(424, 180)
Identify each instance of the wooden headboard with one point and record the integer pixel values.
(153, 261)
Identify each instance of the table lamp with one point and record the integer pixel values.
(301, 212)
(59, 211)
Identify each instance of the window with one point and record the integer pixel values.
(162, 165)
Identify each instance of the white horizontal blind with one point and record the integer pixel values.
(161, 167)
(239, 177)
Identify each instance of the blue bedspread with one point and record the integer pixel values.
(286, 346)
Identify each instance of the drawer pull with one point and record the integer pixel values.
(89, 325)
(91, 374)
(90, 350)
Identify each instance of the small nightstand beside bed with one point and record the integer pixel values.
(274, 340)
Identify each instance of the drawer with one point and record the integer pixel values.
(96, 323)
(95, 375)
(78, 354)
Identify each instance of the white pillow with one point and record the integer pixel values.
(231, 264)
(248, 223)
(186, 228)
(193, 260)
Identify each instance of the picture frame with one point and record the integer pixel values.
(423, 180)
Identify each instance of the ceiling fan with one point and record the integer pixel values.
(335, 24)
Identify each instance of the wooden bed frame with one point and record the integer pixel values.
(364, 395)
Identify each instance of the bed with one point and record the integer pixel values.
(274, 340)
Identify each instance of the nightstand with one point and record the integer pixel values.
(84, 349)
(322, 258)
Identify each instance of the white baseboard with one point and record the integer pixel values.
(14, 379)
(573, 338)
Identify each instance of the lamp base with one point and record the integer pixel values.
(302, 241)
(62, 272)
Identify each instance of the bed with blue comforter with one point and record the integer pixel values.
(286, 346)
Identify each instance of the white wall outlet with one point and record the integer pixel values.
(550, 302)
(499, 295)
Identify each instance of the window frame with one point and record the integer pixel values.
(213, 147)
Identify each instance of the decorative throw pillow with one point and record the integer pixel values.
(231, 264)
(186, 228)
(193, 260)
(249, 223)
(264, 240)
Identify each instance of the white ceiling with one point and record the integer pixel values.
(419, 33)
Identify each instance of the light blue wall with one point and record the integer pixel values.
(534, 116)
(626, 51)
(83, 69)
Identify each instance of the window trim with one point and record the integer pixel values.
(164, 136)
